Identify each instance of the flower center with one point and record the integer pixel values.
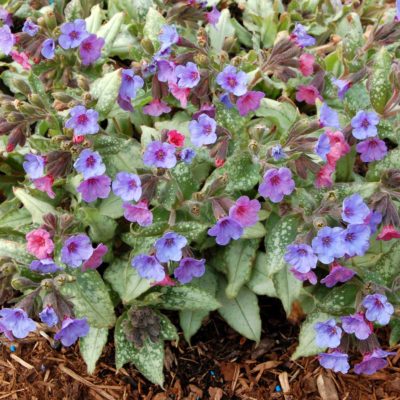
(72, 247)
(207, 129)
(74, 35)
(302, 252)
(231, 81)
(87, 46)
(326, 241)
(365, 123)
(350, 237)
(373, 143)
(82, 119)
(90, 161)
(160, 155)
(275, 180)
(132, 184)
(169, 242)
(194, 75)
(40, 241)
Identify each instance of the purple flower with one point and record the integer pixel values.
(232, 81)
(338, 274)
(90, 49)
(71, 330)
(378, 308)
(276, 184)
(323, 146)
(245, 211)
(202, 131)
(342, 86)
(278, 153)
(30, 27)
(356, 239)
(130, 84)
(328, 117)
(187, 155)
(17, 321)
(372, 362)
(166, 71)
(96, 187)
(156, 108)
(225, 100)
(336, 361)
(48, 49)
(127, 186)
(75, 250)
(190, 268)
(188, 76)
(48, 316)
(373, 220)
(125, 103)
(90, 164)
(6, 17)
(72, 34)
(139, 213)
(168, 36)
(82, 121)
(213, 16)
(169, 247)
(355, 211)
(250, 101)
(44, 266)
(328, 244)
(308, 276)
(160, 155)
(34, 166)
(372, 149)
(364, 124)
(328, 334)
(357, 324)
(96, 259)
(301, 37)
(7, 40)
(148, 267)
(226, 229)
(301, 257)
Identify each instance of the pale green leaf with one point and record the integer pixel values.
(91, 346)
(261, 279)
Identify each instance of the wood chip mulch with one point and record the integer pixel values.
(219, 364)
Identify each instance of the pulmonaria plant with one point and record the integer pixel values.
(151, 165)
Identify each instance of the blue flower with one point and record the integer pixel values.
(75, 250)
(357, 324)
(17, 321)
(44, 266)
(328, 334)
(189, 268)
(188, 76)
(301, 37)
(356, 239)
(168, 36)
(323, 146)
(89, 164)
(34, 166)
(127, 186)
(278, 153)
(71, 330)
(48, 316)
(48, 49)
(378, 308)
(187, 155)
(160, 155)
(336, 361)
(328, 244)
(30, 28)
(226, 229)
(328, 117)
(233, 81)
(354, 210)
(301, 257)
(83, 121)
(169, 247)
(148, 267)
(364, 124)
(203, 131)
(72, 34)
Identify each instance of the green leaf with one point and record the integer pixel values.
(168, 330)
(395, 331)
(154, 22)
(73, 10)
(15, 250)
(93, 22)
(101, 228)
(287, 288)
(125, 280)
(109, 32)
(111, 206)
(307, 346)
(149, 359)
(91, 346)
(239, 256)
(192, 230)
(257, 231)
(241, 313)
(261, 281)
(105, 90)
(282, 234)
(220, 31)
(392, 160)
(340, 300)
(37, 208)
(15, 218)
(90, 298)
(187, 298)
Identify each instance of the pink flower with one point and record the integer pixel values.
(180, 94)
(339, 146)
(139, 213)
(44, 184)
(22, 59)
(324, 176)
(389, 232)
(156, 107)
(96, 259)
(306, 62)
(167, 281)
(250, 101)
(39, 243)
(176, 138)
(308, 93)
(245, 211)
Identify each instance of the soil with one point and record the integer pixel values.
(219, 364)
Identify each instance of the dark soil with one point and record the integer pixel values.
(219, 364)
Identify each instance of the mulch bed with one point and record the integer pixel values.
(219, 364)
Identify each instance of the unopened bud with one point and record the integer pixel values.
(201, 60)
(254, 147)
(319, 223)
(21, 283)
(22, 86)
(147, 44)
(37, 101)
(83, 83)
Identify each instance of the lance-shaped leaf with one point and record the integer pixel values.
(14, 248)
(91, 346)
(101, 228)
(154, 22)
(109, 32)
(90, 298)
(261, 278)
(241, 313)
